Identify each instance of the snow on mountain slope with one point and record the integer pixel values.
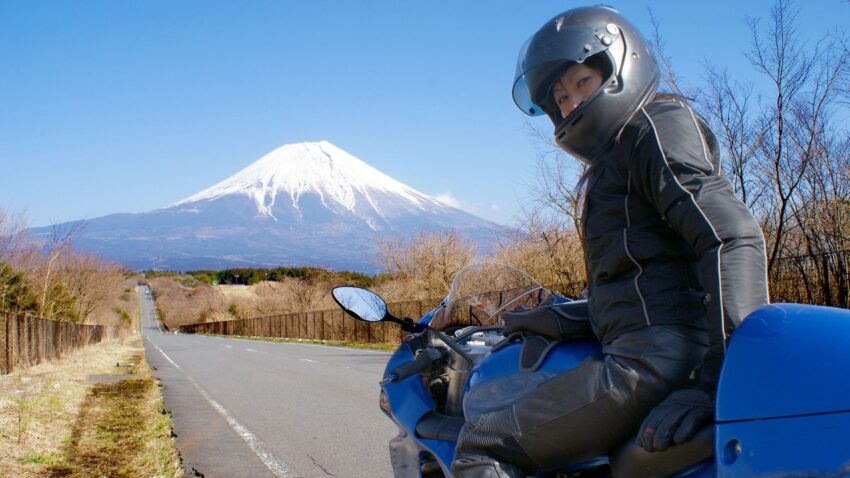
(301, 204)
(341, 181)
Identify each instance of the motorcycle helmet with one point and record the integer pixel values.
(601, 38)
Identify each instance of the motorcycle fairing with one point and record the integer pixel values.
(410, 401)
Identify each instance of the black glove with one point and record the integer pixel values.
(676, 420)
(566, 321)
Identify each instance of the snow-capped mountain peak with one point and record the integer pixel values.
(339, 179)
(301, 204)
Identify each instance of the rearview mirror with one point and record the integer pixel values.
(360, 303)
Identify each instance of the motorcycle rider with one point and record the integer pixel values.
(674, 260)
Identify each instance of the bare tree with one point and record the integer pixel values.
(430, 260)
(91, 280)
(785, 155)
(60, 243)
(728, 108)
(302, 293)
(13, 229)
(549, 250)
(778, 53)
(559, 191)
(670, 80)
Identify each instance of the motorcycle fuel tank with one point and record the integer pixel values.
(497, 380)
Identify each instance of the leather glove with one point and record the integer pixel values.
(676, 420)
(566, 321)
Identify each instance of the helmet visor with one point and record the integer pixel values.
(549, 52)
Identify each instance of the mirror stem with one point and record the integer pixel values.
(407, 325)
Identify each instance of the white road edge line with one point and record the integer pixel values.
(277, 467)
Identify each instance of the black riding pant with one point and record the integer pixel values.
(584, 412)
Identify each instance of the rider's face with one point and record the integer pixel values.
(575, 85)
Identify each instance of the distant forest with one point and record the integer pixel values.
(254, 275)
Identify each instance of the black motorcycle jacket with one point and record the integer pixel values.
(667, 241)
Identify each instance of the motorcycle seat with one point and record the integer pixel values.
(630, 460)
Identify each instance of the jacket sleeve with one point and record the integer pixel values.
(675, 168)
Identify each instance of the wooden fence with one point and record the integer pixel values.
(331, 324)
(27, 340)
(335, 325)
(824, 281)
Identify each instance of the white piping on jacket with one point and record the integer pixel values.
(710, 225)
(701, 138)
(628, 253)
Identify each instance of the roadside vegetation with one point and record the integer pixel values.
(48, 279)
(417, 269)
(96, 412)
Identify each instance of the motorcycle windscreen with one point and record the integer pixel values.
(481, 292)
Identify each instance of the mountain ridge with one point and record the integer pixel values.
(302, 204)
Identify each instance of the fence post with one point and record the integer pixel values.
(27, 340)
(4, 343)
(36, 341)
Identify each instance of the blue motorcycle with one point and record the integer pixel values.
(782, 406)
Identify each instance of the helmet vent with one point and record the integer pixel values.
(575, 121)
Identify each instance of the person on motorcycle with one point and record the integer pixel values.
(674, 259)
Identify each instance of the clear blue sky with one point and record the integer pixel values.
(128, 106)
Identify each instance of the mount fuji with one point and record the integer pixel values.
(304, 204)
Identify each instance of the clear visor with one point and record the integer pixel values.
(550, 51)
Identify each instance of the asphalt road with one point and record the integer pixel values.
(259, 409)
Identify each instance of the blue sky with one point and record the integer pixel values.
(121, 106)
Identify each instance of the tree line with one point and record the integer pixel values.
(254, 275)
(48, 279)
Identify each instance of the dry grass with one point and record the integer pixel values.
(55, 422)
(184, 300)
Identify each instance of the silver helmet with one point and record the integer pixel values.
(597, 35)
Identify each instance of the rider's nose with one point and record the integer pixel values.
(567, 108)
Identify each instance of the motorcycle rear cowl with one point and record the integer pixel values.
(783, 401)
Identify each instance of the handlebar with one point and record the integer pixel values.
(424, 359)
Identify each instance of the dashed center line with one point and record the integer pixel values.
(308, 360)
(250, 350)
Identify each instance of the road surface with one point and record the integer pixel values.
(260, 409)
